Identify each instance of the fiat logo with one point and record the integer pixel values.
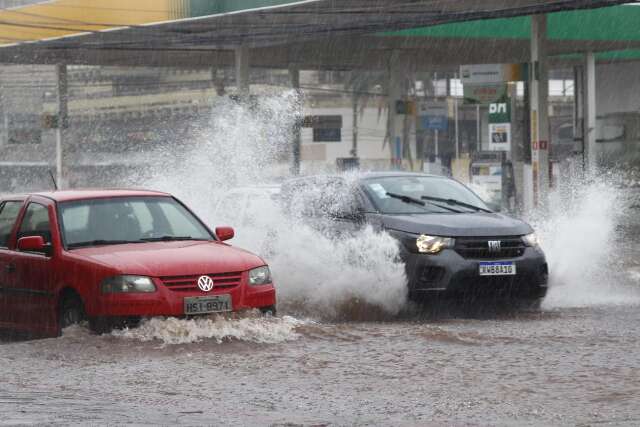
(494, 245)
(205, 283)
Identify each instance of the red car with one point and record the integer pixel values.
(114, 256)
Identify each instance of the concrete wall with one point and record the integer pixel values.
(618, 113)
(618, 88)
(370, 138)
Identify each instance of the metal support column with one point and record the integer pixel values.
(478, 126)
(5, 118)
(242, 70)
(589, 112)
(395, 120)
(456, 115)
(539, 110)
(515, 152)
(63, 97)
(294, 75)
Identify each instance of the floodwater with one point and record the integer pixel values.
(575, 362)
(557, 367)
(346, 348)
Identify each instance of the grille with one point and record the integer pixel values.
(478, 247)
(190, 283)
(520, 285)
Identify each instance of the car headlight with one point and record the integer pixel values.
(260, 276)
(127, 284)
(433, 244)
(531, 240)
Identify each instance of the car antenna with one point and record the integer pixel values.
(53, 179)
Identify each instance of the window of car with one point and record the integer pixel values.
(179, 221)
(320, 197)
(416, 187)
(9, 212)
(127, 219)
(36, 222)
(143, 214)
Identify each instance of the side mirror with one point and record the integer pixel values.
(225, 233)
(32, 244)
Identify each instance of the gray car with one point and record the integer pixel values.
(452, 244)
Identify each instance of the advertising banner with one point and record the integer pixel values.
(493, 73)
(499, 136)
(485, 94)
(434, 115)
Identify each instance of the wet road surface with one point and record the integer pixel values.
(555, 367)
(575, 362)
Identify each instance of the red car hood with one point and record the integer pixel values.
(159, 259)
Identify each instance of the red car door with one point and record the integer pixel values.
(33, 299)
(9, 212)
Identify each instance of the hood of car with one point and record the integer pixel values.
(158, 259)
(457, 225)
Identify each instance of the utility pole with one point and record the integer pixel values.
(589, 111)
(539, 110)
(242, 70)
(294, 75)
(63, 112)
(396, 94)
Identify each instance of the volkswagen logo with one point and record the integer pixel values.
(205, 283)
(494, 245)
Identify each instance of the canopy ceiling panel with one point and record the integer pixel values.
(196, 32)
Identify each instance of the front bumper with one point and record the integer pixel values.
(170, 302)
(448, 274)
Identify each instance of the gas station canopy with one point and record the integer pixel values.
(281, 33)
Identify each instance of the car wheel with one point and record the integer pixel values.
(270, 310)
(71, 311)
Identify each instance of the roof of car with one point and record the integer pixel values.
(397, 173)
(365, 175)
(260, 188)
(69, 195)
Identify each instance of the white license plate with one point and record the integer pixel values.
(497, 269)
(212, 304)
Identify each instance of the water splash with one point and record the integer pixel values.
(243, 144)
(580, 234)
(247, 146)
(255, 329)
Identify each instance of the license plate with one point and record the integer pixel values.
(212, 304)
(497, 269)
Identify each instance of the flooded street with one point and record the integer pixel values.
(249, 198)
(331, 358)
(575, 367)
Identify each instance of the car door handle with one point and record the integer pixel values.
(10, 268)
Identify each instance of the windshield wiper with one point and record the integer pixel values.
(409, 199)
(406, 199)
(455, 202)
(101, 242)
(169, 238)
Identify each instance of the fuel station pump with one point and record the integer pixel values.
(493, 173)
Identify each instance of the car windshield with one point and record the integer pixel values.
(117, 220)
(385, 194)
